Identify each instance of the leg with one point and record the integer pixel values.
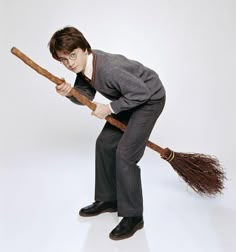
(105, 184)
(105, 176)
(129, 151)
(106, 145)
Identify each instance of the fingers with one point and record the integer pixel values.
(101, 111)
(64, 88)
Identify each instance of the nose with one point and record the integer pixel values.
(70, 63)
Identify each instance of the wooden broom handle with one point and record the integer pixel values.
(75, 93)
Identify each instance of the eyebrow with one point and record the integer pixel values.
(62, 58)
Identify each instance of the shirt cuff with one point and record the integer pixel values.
(111, 108)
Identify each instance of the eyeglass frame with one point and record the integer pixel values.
(72, 56)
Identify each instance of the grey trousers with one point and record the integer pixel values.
(117, 175)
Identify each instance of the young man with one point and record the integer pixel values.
(137, 99)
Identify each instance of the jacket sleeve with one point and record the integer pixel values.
(85, 88)
(133, 90)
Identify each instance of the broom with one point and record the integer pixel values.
(203, 173)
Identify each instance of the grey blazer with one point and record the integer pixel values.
(127, 83)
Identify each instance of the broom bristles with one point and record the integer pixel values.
(203, 173)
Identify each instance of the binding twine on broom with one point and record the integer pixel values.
(203, 173)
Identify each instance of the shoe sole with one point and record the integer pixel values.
(117, 238)
(108, 210)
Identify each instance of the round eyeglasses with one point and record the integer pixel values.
(71, 56)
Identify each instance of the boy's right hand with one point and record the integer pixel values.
(64, 88)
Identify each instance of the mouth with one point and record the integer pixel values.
(73, 69)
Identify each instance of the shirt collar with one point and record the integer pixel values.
(88, 72)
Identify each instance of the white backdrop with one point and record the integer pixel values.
(47, 142)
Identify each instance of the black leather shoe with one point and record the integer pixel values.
(126, 228)
(98, 207)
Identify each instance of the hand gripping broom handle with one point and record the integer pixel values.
(81, 98)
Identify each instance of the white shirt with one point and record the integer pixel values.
(88, 72)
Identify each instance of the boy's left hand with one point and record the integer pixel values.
(101, 111)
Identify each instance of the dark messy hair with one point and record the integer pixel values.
(66, 40)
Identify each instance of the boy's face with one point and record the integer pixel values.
(74, 61)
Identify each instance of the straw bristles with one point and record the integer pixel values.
(203, 173)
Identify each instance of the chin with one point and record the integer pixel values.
(75, 70)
